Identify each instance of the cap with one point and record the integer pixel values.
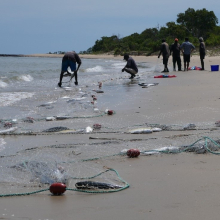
(201, 39)
(176, 39)
(126, 56)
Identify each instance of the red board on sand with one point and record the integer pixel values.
(165, 76)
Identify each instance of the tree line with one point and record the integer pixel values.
(192, 24)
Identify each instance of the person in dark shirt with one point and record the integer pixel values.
(130, 67)
(69, 60)
(175, 51)
(202, 52)
(164, 50)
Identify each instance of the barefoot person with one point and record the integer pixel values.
(130, 67)
(202, 52)
(186, 48)
(164, 50)
(175, 51)
(69, 60)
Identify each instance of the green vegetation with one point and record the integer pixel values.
(191, 23)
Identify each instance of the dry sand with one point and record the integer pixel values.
(181, 186)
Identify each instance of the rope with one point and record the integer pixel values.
(126, 185)
(102, 191)
(44, 119)
(23, 194)
(79, 190)
(187, 148)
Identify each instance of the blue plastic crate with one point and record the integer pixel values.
(214, 67)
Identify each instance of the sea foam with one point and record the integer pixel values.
(3, 84)
(26, 78)
(2, 142)
(7, 98)
(95, 69)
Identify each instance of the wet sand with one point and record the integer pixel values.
(176, 186)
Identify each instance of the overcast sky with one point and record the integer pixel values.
(43, 26)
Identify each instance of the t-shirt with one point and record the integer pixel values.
(187, 47)
(131, 64)
(72, 56)
(175, 48)
(202, 48)
(164, 49)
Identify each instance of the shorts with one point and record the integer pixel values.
(66, 64)
(186, 58)
(132, 71)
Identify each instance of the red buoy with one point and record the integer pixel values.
(94, 98)
(110, 112)
(57, 188)
(133, 153)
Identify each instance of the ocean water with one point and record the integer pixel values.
(28, 86)
(29, 95)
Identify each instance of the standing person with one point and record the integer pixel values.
(186, 48)
(69, 60)
(130, 67)
(202, 51)
(175, 48)
(164, 50)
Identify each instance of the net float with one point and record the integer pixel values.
(217, 123)
(57, 188)
(8, 125)
(133, 153)
(29, 120)
(97, 126)
(110, 112)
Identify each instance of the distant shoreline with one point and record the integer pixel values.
(140, 58)
(85, 56)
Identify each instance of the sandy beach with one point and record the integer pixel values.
(163, 186)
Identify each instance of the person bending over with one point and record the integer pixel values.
(130, 67)
(69, 60)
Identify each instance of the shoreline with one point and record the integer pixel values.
(195, 57)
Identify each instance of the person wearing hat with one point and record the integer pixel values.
(175, 48)
(186, 48)
(202, 52)
(69, 60)
(164, 50)
(130, 67)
